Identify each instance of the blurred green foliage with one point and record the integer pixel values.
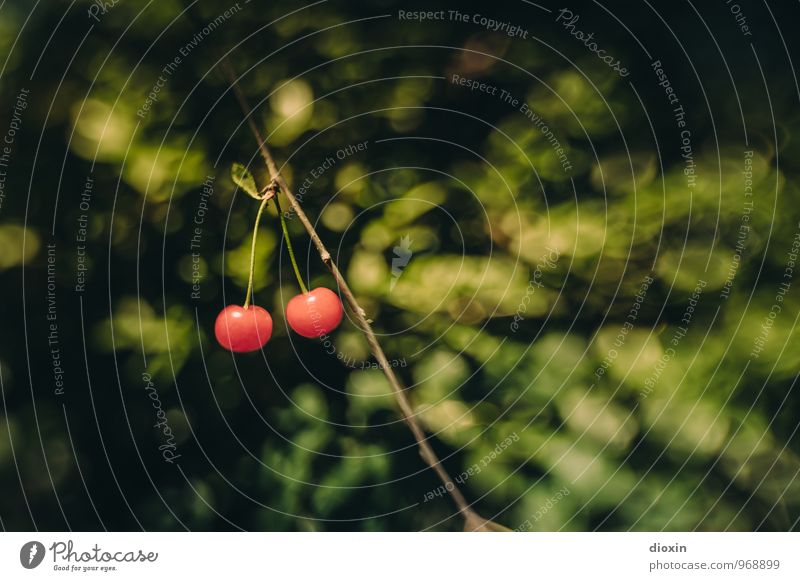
(305, 439)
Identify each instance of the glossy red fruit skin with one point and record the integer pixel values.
(315, 313)
(241, 330)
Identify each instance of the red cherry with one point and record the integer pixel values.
(315, 313)
(242, 330)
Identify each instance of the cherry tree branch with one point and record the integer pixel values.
(472, 520)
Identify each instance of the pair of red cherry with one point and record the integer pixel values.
(312, 314)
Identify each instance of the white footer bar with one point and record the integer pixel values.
(401, 556)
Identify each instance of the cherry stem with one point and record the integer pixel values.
(249, 293)
(289, 246)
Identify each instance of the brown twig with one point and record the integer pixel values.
(472, 520)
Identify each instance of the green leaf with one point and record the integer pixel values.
(242, 177)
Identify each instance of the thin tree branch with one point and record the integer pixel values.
(472, 520)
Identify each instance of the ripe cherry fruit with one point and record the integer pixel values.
(240, 329)
(315, 313)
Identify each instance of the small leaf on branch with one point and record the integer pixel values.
(242, 177)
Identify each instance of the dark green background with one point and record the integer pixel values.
(294, 439)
